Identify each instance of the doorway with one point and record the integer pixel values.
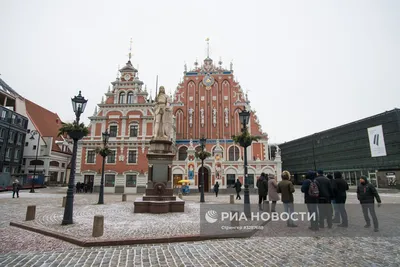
(206, 179)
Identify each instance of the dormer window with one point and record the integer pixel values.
(121, 97)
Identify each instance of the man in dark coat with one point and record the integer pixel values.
(340, 187)
(336, 216)
(238, 187)
(216, 189)
(324, 200)
(262, 185)
(366, 194)
(311, 201)
(16, 186)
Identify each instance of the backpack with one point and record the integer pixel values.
(313, 190)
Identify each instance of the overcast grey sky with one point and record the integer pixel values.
(308, 65)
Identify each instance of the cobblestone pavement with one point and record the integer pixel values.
(24, 248)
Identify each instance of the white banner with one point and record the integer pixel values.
(376, 141)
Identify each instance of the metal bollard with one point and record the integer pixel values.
(231, 199)
(30, 213)
(98, 226)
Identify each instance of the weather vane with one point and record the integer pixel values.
(208, 47)
(130, 50)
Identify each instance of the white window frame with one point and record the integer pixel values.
(136, 159)
(115, 158)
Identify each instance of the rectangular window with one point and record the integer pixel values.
(23, 161)
(63, 165)
(132, 156)
(16, 154)
(133, 131)
(2, 133)
(8, 152)
(131, 180)
(113, 130)
(34, 147)
(111, 157)
(250, 180)
(3, 114)
(7, 169)
(91, 156)
(109, 180)
(11, 137)
(62, 177)
(230, 180)
(26, 143)
(20, 138)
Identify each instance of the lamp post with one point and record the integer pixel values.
(203, 144)
(33, 133)
(244, 117)
(105, 135)
(78, 105)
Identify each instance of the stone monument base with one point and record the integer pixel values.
(159, 196)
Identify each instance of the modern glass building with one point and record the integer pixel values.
(369, 146)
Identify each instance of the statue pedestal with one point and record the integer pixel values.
(159, 196)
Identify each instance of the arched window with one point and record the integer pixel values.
(213, 151)
(133, 130)
(182, 153)
(54, 163)
(36, 162)
(234, 153)
(121, 97)
(130, 98)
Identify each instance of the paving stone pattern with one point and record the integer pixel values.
(24, 248)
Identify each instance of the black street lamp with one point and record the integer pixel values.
(78, 104)
(203, 144)
(244, 117)
(33, 133)
(105, 135)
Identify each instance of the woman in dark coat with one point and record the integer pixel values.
(238, 187)
(216, 189)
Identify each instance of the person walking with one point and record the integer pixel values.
(324, 199)
(262, 185)
(272, 192)
(336, 213)
(15, 187)
(286, 189)
(238, 187)
(216, 189)
(340, 187)
(366, 194)
(310, 188)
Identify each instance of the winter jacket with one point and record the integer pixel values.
(238, 186)
(272, 190)
(216, 188)
(286, 189)
(262, 185)
(15, 187)
(304, 188)
(325, 188)
(367, 193)
(340, 187)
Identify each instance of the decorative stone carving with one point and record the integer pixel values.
(214, 116)
(191, 111)
(202, 117)
(226, 111)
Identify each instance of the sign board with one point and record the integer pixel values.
(376, 141)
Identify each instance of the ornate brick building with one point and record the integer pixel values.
(126, 112)
(206, 103)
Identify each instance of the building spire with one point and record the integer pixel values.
(130, 50)
(118, 72)
(208, 47)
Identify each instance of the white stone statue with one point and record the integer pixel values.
(278, 152)
(202, 117)
(226, 116)
(191, 143)
(214, 116)
(162, 116)
(191, 111)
